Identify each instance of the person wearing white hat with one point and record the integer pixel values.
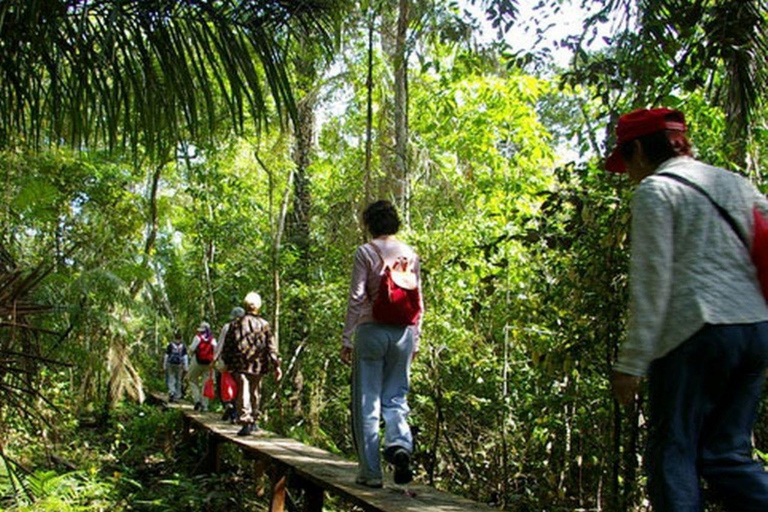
(249, 353)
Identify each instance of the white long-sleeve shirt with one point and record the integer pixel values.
(687, 266)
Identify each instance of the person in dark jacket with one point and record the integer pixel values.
(249, 352)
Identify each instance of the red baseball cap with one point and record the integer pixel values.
(637, 123)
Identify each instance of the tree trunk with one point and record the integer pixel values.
(304, 132)
(149, 242)
(298, 228)
(369, 110)
(401, 110)
(277, 227)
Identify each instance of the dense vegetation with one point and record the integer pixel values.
(161, 159)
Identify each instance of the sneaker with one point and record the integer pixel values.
(401, 459)
(246, 430)
(226, 416)
(171, 399)
(374, 483)
(198, 406)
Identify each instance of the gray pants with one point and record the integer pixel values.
(173, 373)
(198, 374)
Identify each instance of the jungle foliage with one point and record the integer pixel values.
(161, 159)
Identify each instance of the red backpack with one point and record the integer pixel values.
(204, 351)
(399, 299)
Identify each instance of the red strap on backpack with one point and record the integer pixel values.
(399, 299)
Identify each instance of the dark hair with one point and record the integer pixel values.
(656, 146)
(381, 218)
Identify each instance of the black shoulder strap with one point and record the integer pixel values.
(722, 211)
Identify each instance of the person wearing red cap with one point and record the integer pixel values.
(698, 322)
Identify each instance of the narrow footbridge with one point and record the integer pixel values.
(289, 463)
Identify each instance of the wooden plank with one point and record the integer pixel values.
(332, 473)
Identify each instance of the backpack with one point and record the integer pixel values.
(204, 351)
(176, 353)
(399, 299)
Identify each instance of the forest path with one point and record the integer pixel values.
(291, 464)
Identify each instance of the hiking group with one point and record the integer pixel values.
(697, 326)
(244, 352)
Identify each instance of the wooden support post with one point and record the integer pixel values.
(212, 462)
(259, 468)
(278, 477)
(313, 497)
(186, 433)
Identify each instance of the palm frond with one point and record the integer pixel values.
(135, 72)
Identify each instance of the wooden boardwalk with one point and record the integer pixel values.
(317, 472)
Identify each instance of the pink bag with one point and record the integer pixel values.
(228, 387)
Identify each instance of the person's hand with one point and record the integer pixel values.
(346, 355)
(413, 356)
(278, 373)
(625, 387)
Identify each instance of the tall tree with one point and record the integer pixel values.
(400, 62)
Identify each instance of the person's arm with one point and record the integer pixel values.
(194, 343)
(650, 278)
(165, 360)
(355, 301)
(274, 356)
(220, 345)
